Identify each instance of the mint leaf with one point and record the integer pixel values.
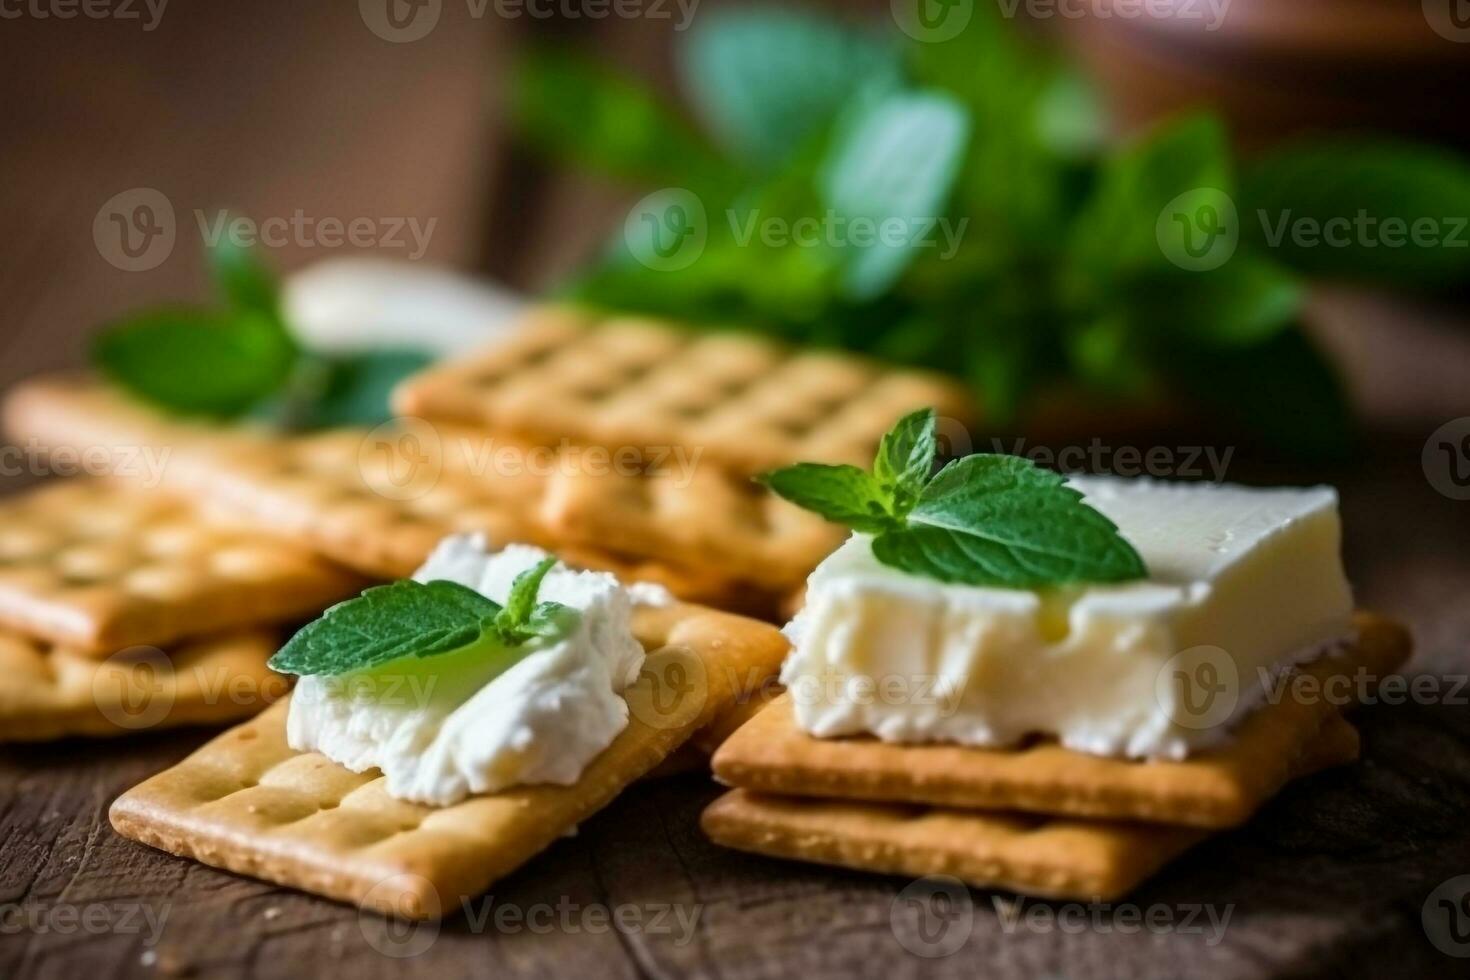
(385, 623)
(523, 618)
(1115, 234)
(764, 80)
(573, 107)
(335, 391)
(905, 459)
(1246, 301)
(197, 362)
(997, 520)
(246, 282)
(842, 494)
(893, 164)
(1327, 186)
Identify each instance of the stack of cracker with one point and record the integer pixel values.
(621, 444)
(125, 610)
(1039, 819)
(656, 433)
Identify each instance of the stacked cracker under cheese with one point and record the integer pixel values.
(1037, 819)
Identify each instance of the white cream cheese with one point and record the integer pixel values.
(441, 728)
(1242, 583)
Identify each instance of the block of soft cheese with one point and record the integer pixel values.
(1242, 583)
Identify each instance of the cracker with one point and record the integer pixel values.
(49, 692)
(703, 515)
(376, 502)
(742, 402)
(247, 803)
(97, 568)
(1050, 857)
(1221, 788)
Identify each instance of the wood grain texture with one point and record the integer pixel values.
(272, 106)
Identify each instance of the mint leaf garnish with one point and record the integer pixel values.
(523, 618)
(992, 519)
(842, 494)
(987, 519)
(905, 459)
(420, 619)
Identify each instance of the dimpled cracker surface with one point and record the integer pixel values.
(704, 515)
(248, 803)
(98, 567)
(1221, 788)
(1050, 857)
(376, 502)
(50, 692)
(742, 402)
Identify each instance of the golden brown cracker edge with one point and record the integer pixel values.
(247, 803)
(1216, 789)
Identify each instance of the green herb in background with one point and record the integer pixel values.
(986, 519)
(423, 619)
(1078, 264)
(241, 359)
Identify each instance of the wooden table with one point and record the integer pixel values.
(273, 107)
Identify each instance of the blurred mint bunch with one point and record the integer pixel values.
(1031, 255)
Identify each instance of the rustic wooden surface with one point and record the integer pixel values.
(269, 107)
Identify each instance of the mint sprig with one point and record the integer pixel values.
(987, 519)
(422, 619)
(240, 358)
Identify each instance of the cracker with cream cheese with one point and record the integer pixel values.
(1218, 788)
(248, 803)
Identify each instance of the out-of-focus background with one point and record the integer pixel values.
(279, 109)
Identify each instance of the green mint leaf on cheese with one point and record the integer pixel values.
(987, 519)
(1003, 521)
(523, 617)
(905, 459)
(842, 494)
(385, 623)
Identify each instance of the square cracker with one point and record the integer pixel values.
(49, 692)
(97, 568)
(742, 402)
(704, 516)
(1221, 788)
(247, 803)
(376, 502)
(1050, 857)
